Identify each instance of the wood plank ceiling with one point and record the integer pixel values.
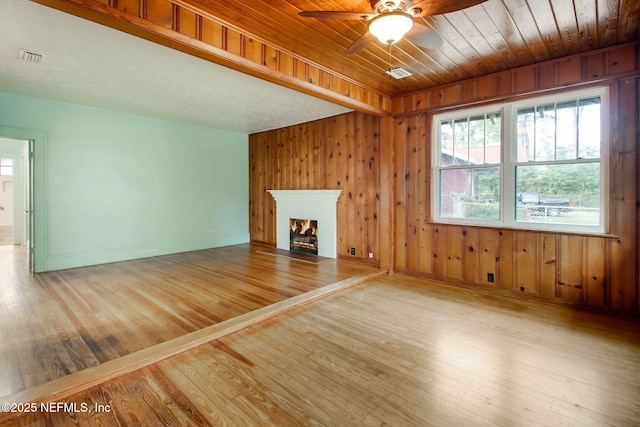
(490, 37)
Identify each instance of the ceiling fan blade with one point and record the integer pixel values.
(423, 36)
(335, 14)
(360, 43)
(439, 7)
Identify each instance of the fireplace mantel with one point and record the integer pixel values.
(320, 205)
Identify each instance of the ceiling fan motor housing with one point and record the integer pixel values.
(380, 6)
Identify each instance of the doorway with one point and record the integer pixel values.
(6, 201)
(14, 195)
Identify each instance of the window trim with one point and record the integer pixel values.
(509, 163)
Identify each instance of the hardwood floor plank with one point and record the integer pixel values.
(58, 323)
(65, 386)
(395, 351)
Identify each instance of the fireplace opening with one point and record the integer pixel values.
(303, 235)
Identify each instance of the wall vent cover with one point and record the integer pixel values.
(30, 56)
(398, 73)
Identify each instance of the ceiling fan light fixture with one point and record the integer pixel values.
(390, 27)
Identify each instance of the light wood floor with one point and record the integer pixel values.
(58, 323)
(394, 351)
(6, 235)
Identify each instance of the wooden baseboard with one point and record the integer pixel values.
(518, 295)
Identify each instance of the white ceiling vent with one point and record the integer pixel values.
(398, 73)
(30, 56)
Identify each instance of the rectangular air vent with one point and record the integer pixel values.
(30, 56)
(398, 73)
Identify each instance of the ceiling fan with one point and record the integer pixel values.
(391, 20)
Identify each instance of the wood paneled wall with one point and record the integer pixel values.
(599, 271)
(383, 167)
(340, 152)
(597, 66)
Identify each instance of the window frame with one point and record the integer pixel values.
(509, 162)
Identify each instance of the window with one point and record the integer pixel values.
(6, 167)
(537, 164)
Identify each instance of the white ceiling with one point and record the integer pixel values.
(88, 64)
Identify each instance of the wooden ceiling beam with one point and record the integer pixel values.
(164, 22)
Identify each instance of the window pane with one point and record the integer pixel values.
(461, 142)
(493, 139)
(564, 131)
(545, 130)
(526, 135)
(589, 128)
(6, 167)
(476, 140)
(567, 131)
(470, 193)
(446, 144)
(563, 194)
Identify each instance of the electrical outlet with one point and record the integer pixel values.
(353, 251)
(214, 230)
(99, 240)
(370, 254)
(490, 278)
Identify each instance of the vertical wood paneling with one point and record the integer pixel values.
(569, 71)
(424, 196)
(212, 33)
(559, 73)
(371, 197)
(570, 272)
(624, 274)
(470, 254)
(256, 186)
(637, 156)
(439, 250)
(526, 258)
(506, 259)
(425, 263)
(336, 153)
(453, 255)
(253, 50)
(413, 139)
(546, 76)
(547, 285)
(487, 252)
(400, 129)
(524, 80)
(357, 171)
(574, 268)
(594, 272)
(131, 7)
(348, 177)
(384, 216)
(186, 23)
